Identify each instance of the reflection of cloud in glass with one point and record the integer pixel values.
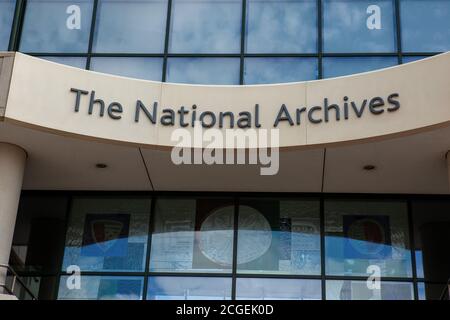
(106, 288)
(278, 289)
(394, 259)
(6, 20)
(130, 26)
(205, 26)
(276, 70)
(203, 70)
(45, 29)
(141, 68)
(77, 62)
(335, 67)
(425, 25)
(281, 26)
(345, 29)
(189, 288)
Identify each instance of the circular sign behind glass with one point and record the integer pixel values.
(216, 235)
(368, 236)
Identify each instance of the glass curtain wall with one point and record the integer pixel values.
(227, 41)
(162, 247)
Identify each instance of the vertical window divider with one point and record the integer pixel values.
(91, 34)
(398, 30)
(235, 247)
(149, 245)
(319, 38)
(243, 30)
(16, 29)
(66, 229)
(322, 246)
(412, 248)
(166, 41)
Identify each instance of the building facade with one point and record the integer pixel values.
(354, 206)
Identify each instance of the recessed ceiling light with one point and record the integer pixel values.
(369, 167)
(101, 165)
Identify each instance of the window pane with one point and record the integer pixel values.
(141, 68)
(358, 26)
(77, 62)
(192, 235)
(359, 290)
(359, 234)
(56, 26)
(287, 26)
(102, 288)
(203, 70)
(407, 59)
(279, 237)
(43, 288)
(425, 25)
(38, 235)
(432, 236)
(107, 233)
(335, 67)
(130, 26)
(6, 21)
(433, 291)
(278, 289)
(205, 26)
(276, 70)
(189, 288)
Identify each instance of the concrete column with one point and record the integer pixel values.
(12, 165)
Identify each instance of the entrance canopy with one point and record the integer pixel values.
(385, 131)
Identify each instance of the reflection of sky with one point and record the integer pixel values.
(205, 26)
(130, 26)
(141, 68)
(203, 70)
(276, 70)
(77, 62)
(281, 26)
(345, 29)
(272, 289)
(6, 19)
(189, 288)
(425, 25)
(334, 67)
(131, 260)
(346, 256)
(44, 28)
(358, 290)
(108, 288)
(407, 59)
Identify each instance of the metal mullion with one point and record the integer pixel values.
(91, 34)
(56, 54)
(128, 55)
(16, 28)
(319, 38)
(149, 246)
(279, 276)
(412, 249)
(281, 55)
(235, 248)
(398, 31)
(360, 54)
(166, 40)
(188, 274)
(364, 278)
(322, 246)
(60, 271)
(109, 273)
(243, 30)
